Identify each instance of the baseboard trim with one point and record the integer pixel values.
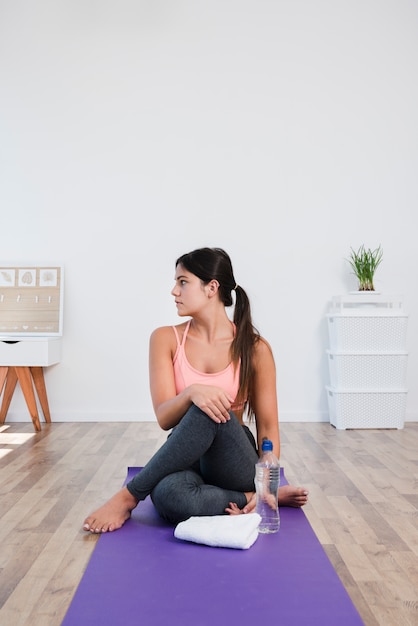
(113, 416)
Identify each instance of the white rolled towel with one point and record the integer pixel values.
(220, 531)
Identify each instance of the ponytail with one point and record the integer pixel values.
(242, 348)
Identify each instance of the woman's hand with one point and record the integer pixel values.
(213, 401)
(248, 508)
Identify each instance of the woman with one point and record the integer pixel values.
(205, 374)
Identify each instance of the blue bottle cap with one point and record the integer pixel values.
(266, 445)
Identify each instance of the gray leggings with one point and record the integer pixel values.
(200, 469)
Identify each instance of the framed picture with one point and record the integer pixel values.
(31, 301)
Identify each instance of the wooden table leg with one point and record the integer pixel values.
(11, 380)
(38, 379)
(3, 376)
(25, 380)
(9, 375)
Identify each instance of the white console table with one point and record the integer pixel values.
(23, 360)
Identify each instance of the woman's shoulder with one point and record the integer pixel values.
(262, 348)
(166, 339)
(168, 333)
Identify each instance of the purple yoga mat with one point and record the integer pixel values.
(141, 575)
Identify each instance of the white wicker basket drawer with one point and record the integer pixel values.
(367, 409)
(367, 371)
(356, 333)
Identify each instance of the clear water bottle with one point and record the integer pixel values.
(267, 481)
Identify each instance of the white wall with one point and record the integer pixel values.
(284, 131)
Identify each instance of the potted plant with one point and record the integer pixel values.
(364, 264)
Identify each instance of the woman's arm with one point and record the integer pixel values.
(264, 398)
(170, 407)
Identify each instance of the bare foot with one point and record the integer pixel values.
(113, 514)
(288, 496)
(292, 496)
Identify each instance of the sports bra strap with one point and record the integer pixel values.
(186, 330)
(177, 335)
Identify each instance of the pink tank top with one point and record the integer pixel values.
(185, 374)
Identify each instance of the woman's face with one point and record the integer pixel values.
(189, 292)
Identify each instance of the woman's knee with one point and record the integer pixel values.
(195, 414)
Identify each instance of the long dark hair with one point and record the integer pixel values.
(214, 264)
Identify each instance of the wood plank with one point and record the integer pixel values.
(363, 506)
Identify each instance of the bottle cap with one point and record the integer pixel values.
(266, 445)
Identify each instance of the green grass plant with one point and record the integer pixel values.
(364, 264)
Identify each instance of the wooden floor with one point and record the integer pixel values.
(363, 507)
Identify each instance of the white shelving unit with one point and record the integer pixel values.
(367, 361)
